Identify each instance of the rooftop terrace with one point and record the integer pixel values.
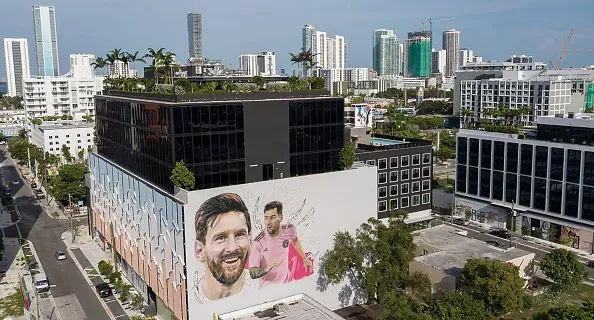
(385, 142)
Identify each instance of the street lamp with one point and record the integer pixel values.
(513, 223)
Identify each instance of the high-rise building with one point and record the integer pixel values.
(81, 65)
(466, 56)
(46, 41)
(419, 54)
(438, 61)
(385, 52)
(195, 35)
(261, 64)
(328, 52)
(249, 64)
(121, 69)
(16, 58)
(402, 56)
(451, 44)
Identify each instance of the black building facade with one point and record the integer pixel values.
(222, 139)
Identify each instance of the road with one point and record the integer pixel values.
(68, 285)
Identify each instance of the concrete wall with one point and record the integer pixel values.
(440, 281)
(526, 265)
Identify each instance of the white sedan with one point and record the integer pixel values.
(16, 182)
(60, 255)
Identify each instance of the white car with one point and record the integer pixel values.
(15, 182)
(60, 255)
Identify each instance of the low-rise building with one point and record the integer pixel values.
(51, 136)
(12, 116)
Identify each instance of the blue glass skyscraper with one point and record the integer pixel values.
(46, 41)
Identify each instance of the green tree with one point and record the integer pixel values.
(376, 257)
(36, 121)
(2, 136)
(347, 156)
(497, 283)
(564, 268)
(137, 302)
(259, 81)
(184, 83)
(69, 181)
(457, 306)
(81, 155)
(66, 153)
(444, 153)
(182, 177)
(356, 99)
(316, 83)
(563, 312)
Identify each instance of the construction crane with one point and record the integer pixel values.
(431, 22)
(564, 49)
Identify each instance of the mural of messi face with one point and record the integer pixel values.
(223, 240)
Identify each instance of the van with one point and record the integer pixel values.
(40, 282)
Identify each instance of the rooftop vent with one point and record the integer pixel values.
(280, 308)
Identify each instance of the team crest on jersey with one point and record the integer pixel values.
(285, 243)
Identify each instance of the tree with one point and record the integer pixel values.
(564, 312)
(69, 181)
(316, 83)
(66, 153)
(2, 137)
(465, 113)
(497, 283)
(347, 156)
(99, 63)
(259, 81)
(81, 155)
(137, 302)
(376, 257)
(156, 57)
(298, 60)
(444, 153)
(182, 177)
(134, 57)
(457, 306)
(356, 99)
(564, 268)
(36, 121)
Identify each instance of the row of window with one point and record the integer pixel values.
(68, 136)
(68, 142)
(382, 206)
(405, 188)
(382, 164)
(59, 149)
(404, 175)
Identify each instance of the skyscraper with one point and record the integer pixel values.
(328, 52)
(46, 41)
(195, 35)
(438, 61)
(451, 44)
(385, 52)
(16, 57)
(419, 53)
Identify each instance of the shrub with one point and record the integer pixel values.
(115, 276)
(105, 269)
(537, 233)
(525, 230)
(118, 284)
(125, 293)
(137, 302)
(527, 302)
(55, 214)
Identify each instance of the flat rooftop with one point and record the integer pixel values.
(453, 249)
(49, 125)
(298, 307)
(385, 142)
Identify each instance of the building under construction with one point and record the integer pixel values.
(419, 53)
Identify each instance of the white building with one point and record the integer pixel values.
(13, 116)
(80, 65)
(438, 61)
(451, 44)
(51, 136)
(348, 75)
(466, 56)
(261, 64)
(249, 64)
(46, 41)
(328, 52)
(16, 59)
(401, 58)
(120, 69)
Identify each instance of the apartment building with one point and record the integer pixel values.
(348, 76)
(328, 52)
(121, 69)
(51, 136)
(261, 64)
(16, 61)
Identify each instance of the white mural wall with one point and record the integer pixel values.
(245, 253)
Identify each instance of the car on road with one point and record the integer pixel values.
(505, 234)
(461, 222)
(104, 290)
(60, 255)
(39, 194)
(41, 282)
(8, 194)
(493, 243)
(15, 182)
(590, 264)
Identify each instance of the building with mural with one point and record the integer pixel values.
(268, 186)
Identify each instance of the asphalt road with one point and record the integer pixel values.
(45, 234)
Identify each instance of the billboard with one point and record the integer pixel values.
(253, 243)
(363, 115)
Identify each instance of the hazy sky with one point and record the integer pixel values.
(494, 29)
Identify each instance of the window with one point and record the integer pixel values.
(382, 164)
(381, 192)
(404, 188)
(426, 185)
(426, 172)
(512, 157)
(416, 200)
(68, 142)
(67, 136)
(393, 191)
(371, 162)
(382, 177)
(403, 202)
(51, 143)
(404, 161)
(78, 135)
(416, 159)
(416, 186)
(381, 206)
(404, 175)
(78, 141)
(473, 153)
(557, 163)
(50, 137)
(51, 149)
(416, 173)
(89, 140)
(462, 150)
(393, 162)
(486, 153)
(79, 147)
(426, 198)
(426, 158)
(393, 176)
(393, 204)
(56, 137)
(88, 134)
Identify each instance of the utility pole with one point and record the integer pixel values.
(71, 219)
(513, 223)
(29, 157)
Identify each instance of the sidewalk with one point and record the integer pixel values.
(86, 253)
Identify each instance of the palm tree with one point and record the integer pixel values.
(308, 58)
(167, 63)
(133, 58)
(465, 113)
(156, 57)
(298, 60)
(99, 63)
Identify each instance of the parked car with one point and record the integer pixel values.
(493, 243)
(104, 290)
(505, 234)
(33, 185)
(461, 222)
(8, 194)
(590, 264)
(60, 255)
(41, 282)
(39, 194)
(15, 182)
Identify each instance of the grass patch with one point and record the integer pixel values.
(546, 301)
(92, 271)
(13, 304)
(55, 214)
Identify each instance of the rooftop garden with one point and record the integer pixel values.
(502, 119)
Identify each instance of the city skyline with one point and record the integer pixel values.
(533, 35)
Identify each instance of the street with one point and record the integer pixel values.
(68, 287)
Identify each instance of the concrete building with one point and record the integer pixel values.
(261, 64)
(13, 116)
(328, 52)
(385, 52)
(546, 179)
(451, 44)
(466, 56)
(438, 61)
(46, 41)
(402, 64)
(51, 136)
(194, 22)
(349, 76)
(442, 252)
(121, 69)
(418, 46)
(249, 64)
(81, 65)
(16, 61)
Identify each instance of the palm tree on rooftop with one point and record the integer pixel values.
(168, 64)
(113, 56)
(298, 60)
(133, 58)
(156, 57)
(99, 63)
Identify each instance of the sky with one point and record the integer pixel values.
(493, 29)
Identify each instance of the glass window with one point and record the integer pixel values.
(404, 202)
(589, 168)
(485, 186)
(473, 156)
(371, 162)
(541, 163)
(426, 198)
(404, 188)
(393, 162)
(525, 190)
(555, 195)
(404, 161)
(416, 200)
(497, 185)
(426, 172)
(382, 177)
(573, 165)
(511, 187)
(499, 155)
(416, 173)
(393, 176)
(381, 206)
(473, 180)
(382, 164)
(416, 159)
(382, 193)
(588, 203)
(461, 179)
(404, 175)
(462, 150)
(512, 157)
(426, 185)
(416, 186)
(526, 159)
(572, 192)
(393, 204)
(486, 153)
(557, 155)
(426, 158)
(393, 190)
(540, 193)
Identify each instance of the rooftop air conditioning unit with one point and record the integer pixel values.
(280, 308)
